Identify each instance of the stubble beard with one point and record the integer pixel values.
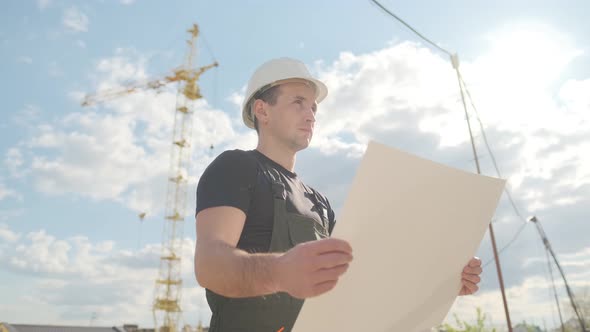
(295, 142)
(302, 143)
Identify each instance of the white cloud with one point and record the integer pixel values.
(385, 91)
(406, 96)
(578, 259)
(403, 95)
(523, 64)
(76, 277)
(97, 158)
(118, 150)
(126, 67)
(532, 300)
(375, 91)
(45, 254)
(103, 158)
(14, 163)
(127, 2)
(575, 96)
(7, 235)
(75, 20)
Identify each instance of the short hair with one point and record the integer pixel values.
(268, 95)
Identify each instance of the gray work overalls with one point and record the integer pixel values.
(274, 312)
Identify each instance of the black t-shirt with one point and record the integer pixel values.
(235, 178)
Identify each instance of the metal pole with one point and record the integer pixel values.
(570, 294)
(455, 62)
(554, 290)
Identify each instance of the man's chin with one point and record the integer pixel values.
(303, 145)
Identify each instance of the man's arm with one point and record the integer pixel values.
(308, 269)
(223, 268)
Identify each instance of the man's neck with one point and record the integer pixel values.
(279, 154)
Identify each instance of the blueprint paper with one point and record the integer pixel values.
(413, 225)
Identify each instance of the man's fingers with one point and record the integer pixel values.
(471, 277)
(472, 270)
(464, 291)
(331, 259)
(330, 274)
(328, 245)
(469, 287)
(474, 262)
(323, 287)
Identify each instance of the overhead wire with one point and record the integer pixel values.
(507, 245)
(485, 139)
(554, 289)
(215, 72)
(463, 85)
(411, 28)
(168, 48)
(498, 173)
(206, 43)
(548, 278)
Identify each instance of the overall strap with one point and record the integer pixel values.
(319, 206)
(274, 177)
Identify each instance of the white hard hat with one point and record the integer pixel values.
(274, 72)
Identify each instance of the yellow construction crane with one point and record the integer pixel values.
(166, 306)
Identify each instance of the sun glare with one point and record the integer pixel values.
(530, 56)
(517, 75)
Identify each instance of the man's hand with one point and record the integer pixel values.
(470, 277)
(312, 268)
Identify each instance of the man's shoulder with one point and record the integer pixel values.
(227, 181)
(235, 157)
(235, 153)
(231, 163)
(234, 163)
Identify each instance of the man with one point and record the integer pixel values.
(263, 240)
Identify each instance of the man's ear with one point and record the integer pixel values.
(260, 111)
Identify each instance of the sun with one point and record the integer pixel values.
(516, 76)
(529, 56)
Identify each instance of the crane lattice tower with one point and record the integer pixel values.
(168, 288)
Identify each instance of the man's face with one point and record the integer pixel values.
(291, 120)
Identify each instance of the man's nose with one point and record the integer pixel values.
(310, 115)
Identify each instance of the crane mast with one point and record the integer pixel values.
(168, 289)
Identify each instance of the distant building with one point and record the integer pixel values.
(5, 327)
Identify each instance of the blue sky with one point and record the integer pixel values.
(73, 179)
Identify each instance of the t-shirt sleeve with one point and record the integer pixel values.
(228, 181)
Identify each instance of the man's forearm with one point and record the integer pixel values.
(233, 272)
